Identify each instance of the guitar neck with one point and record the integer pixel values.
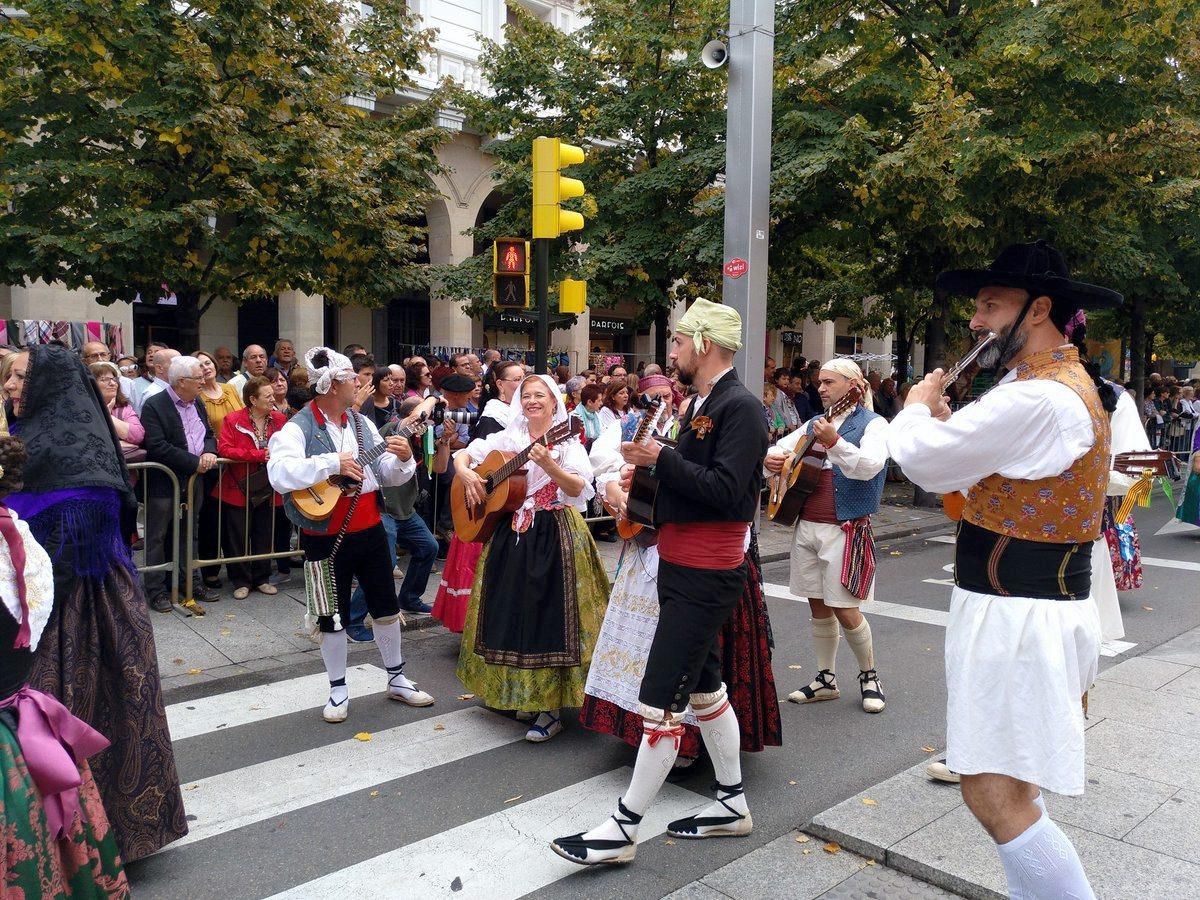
(645, 429)
(369, 456)
(559, 432)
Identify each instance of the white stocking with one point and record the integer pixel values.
(333, 652)
(1041, 863)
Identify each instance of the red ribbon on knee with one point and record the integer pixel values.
(54, 742)
(654, 734)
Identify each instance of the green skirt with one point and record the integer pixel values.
(84, 864)
(550, 575)
(1189, 509)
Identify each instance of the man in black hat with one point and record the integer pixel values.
(449, 437)
(1022, 643)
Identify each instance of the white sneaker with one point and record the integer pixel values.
(336, 712)
(410, 695)
(939, 771)
(544, 727)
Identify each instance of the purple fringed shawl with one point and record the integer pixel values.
(87, 520)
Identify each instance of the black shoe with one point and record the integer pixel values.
(203, 594)
(161, 603)
(213, 583)
(609, 537)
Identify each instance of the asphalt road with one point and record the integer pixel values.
(434, 822)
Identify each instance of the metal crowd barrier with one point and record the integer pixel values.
(193, 561)
(142, 490)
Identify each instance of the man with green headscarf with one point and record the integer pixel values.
(709, 485)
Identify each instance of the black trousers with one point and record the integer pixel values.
(694, 604)
(240, 540)
(363, 555)
(208, 536)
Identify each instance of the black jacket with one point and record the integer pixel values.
(717, 478)
(166, 443)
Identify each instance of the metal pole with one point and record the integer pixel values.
(541, 291)
(748, 176)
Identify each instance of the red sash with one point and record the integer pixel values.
(703, 545)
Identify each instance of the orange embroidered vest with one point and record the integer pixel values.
(1062, 509)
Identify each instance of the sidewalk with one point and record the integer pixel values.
(1137, 829)
(264, 632)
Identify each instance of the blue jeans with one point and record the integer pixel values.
(414, 534)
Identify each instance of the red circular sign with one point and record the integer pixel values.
(736, 267)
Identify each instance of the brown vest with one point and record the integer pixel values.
(1062, 509)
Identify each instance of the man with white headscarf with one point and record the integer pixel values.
(325, 439)
(833, 553)
(709, 485)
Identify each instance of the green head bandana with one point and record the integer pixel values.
(708, 321)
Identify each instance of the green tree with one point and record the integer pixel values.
(629, 87)
(224, 150)
(912, 136)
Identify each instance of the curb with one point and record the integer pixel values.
(891, 533)
(903, 864)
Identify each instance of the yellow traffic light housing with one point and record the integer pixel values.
(550, 188)
(572, 296)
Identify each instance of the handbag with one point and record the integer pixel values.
(258, 487)
(320, 588)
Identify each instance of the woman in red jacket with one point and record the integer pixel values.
(248, 501)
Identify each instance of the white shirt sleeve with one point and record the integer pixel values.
(606, 456)
(574, 459)
(1020, 429)
(288, 469)
(1128, 436)
(389, 468)
(864, 462)
(479, 448)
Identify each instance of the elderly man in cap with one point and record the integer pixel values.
(324, 438)
(833, 556)
(1023, 642)
(709, 485)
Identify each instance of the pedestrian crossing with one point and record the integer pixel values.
(278, 772)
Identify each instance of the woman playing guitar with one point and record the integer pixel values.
(536, 610)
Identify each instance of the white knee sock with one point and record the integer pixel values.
(333, 652)
(719, 728)
(656, 756)
(859, 640)
(826, 637)
(1040, 803)
(1041, 863)
(387, 638)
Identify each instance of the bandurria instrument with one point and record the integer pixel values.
(801, 473)
(504, 485)
(651, 421)
(317, 502)
(953, 503)
(643, 487)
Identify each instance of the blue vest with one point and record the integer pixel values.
(316, 442)
(853, 498)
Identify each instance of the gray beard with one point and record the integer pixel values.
(990, 359)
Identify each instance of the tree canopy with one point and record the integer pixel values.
(221, 149)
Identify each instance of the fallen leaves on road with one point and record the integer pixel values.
(230, 617)
(191, 787)
(806, 852)
(466, 696)
(178, 662)
(374, 794)
(791, 782)
(514, 799)
(363, 736)
(832, 847)
(669, 842)
(439, 727)
(195, 671)
(867, 801)
(225, 632)
(928, 749)
(897, 553)
(870, 862)
(795, 667)
(1148, 608)
(802, 839)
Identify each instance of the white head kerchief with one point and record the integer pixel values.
(848, 368)
(560, 409)
(321, 378)
(536, 477)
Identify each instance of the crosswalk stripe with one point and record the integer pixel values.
(502, 856)
(274, 787)
(941, 539)
(266, 701)
(1170, 563)
(1175, 527)
(877, 607)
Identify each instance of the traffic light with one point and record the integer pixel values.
(550, 188)
(510, 273)
(572, 296)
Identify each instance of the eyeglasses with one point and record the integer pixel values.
(128, 368)
(107, 379)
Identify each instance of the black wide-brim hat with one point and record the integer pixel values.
(1037, 268)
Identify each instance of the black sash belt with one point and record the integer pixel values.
(990, 563)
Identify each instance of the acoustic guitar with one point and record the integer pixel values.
(317, 502)
(504, 485)
(651, 422)
(801, 473)
(1135, 462)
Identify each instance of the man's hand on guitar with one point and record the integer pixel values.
(824, 432)
(399, 447)
(349, 468)
(615, 497)
(774, 462)
(626, 478)
(641, 454)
